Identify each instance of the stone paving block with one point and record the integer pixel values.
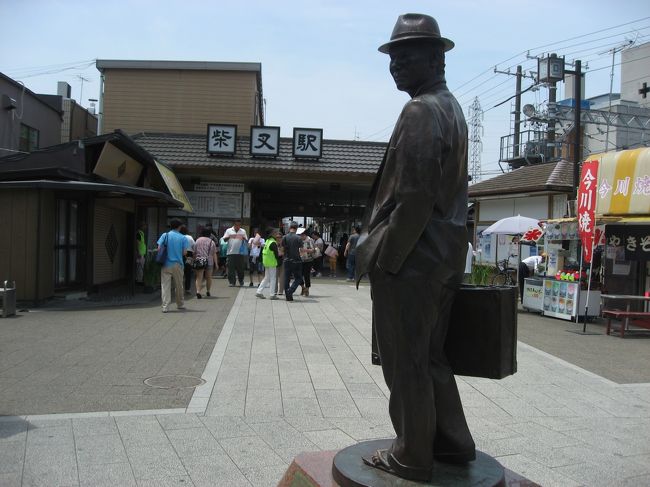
(365, 390)
(106, 475)
(158, 469)
(307, 423)
(179, 421)
(227, 426)
(250, 451)
(363, 428)
(325, 377)
(536, 472)
(11, 479)
(263, 402)
(301, 406)
(264, 476)
(297, 390)
(373, 407)
(227, 403)
(52, 474)
(281, 434)
(176, 481)
(337, 404)
(332, 439)
(100, 449)
(263, 381)
(12, 456)
(194, 443)
(94, 426)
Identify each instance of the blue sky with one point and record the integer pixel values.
(320, 64)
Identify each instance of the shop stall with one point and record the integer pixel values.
(566, 291)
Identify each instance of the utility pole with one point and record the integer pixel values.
(517, 112)
(577, 97)
(550, 130)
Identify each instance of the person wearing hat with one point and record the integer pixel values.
(292, 243)
(413, 246)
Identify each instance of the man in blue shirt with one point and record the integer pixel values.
(177, 246)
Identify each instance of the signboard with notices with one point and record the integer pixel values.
(533, 297)
(220, 187)
(218, 205)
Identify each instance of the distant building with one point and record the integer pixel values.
(28, 121)
(635, 74)
(179, 96)
(78, 122)
(31, 121)
(70, 215)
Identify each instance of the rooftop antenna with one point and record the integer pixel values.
(82, 79)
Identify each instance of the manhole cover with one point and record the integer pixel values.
(174, 381)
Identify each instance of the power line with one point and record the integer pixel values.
(522, 53)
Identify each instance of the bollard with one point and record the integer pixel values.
(8, 298)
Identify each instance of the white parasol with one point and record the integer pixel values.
(512, 225)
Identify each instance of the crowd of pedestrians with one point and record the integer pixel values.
(275, 262)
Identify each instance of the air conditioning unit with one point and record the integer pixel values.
(8, 103)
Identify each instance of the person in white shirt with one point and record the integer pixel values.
(526, 269)
(468, 262)
(255, 246)
(236, 237)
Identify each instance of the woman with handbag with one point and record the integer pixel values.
(205, 258)
(307, 256)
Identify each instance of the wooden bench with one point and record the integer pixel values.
(637, 318)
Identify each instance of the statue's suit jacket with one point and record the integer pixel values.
(417, 209)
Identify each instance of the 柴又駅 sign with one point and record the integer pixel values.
(222, 139)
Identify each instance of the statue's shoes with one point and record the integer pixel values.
(380, 460)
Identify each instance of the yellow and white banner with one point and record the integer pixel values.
(174, 186)
(623, 182)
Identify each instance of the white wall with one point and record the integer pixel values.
(635, 69)
(532, 207)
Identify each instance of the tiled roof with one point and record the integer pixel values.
(551, 176)
(189, 151)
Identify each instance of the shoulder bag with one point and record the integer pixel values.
(161, 256)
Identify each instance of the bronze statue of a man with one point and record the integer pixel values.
(413, 248)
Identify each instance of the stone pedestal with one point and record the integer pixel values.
(345, 468)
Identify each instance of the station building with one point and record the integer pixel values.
(206, 121)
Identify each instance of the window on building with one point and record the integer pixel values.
(68, 248)
(28, 138)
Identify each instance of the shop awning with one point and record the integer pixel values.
(155, 198)
(174, 186)
(623, 182)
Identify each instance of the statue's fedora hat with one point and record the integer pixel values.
(415, 26)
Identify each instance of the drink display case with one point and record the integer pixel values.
(565, 300)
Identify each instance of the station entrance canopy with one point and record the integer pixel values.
(334, 185)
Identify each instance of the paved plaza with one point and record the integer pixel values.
(282, 378)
